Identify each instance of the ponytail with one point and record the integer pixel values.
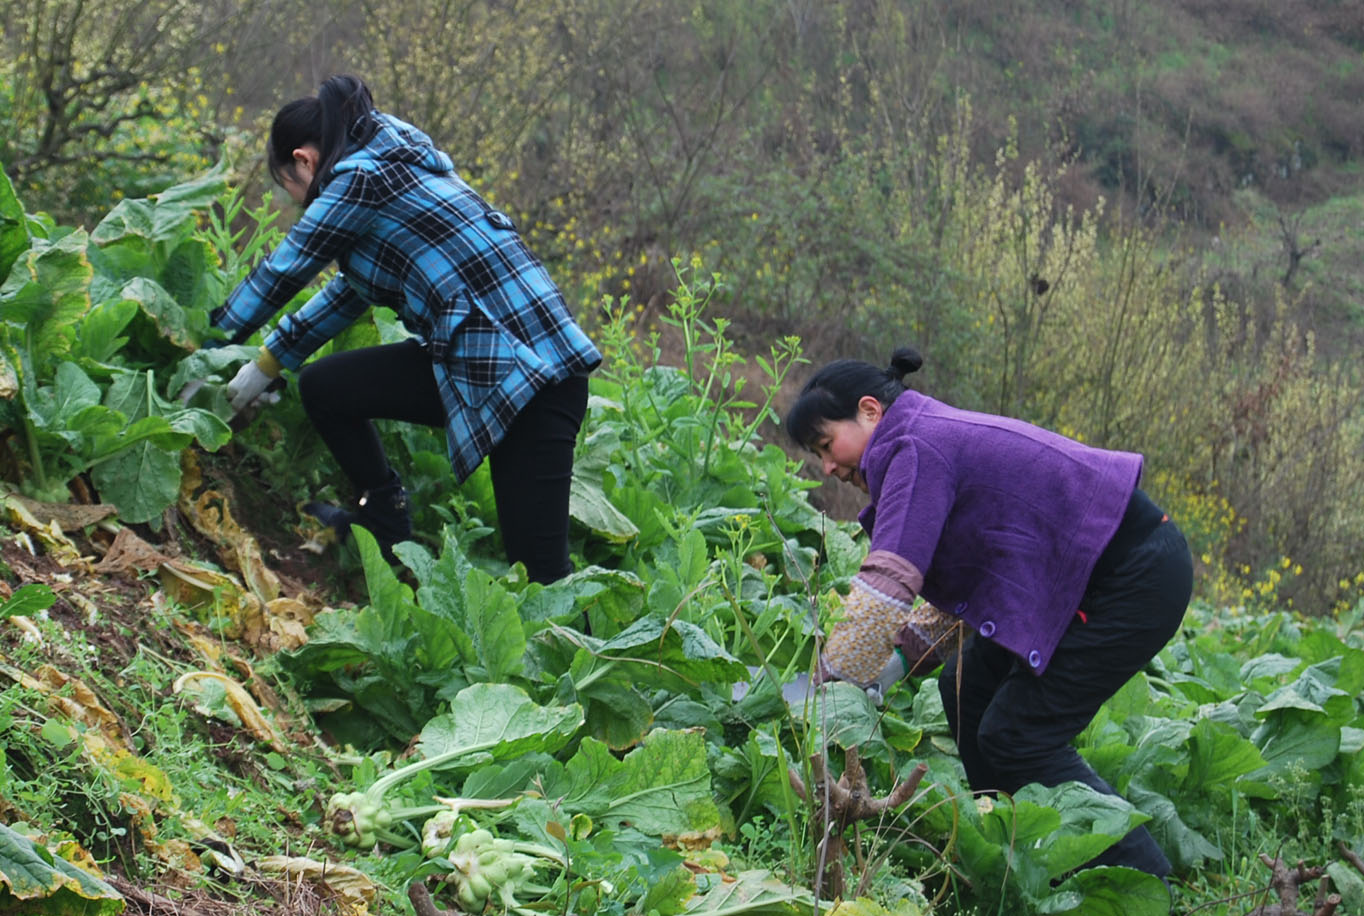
(833, 392)
(340, 115)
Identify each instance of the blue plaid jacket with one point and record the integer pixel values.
(408, 233)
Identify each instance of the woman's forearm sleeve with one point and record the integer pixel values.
(878, 605)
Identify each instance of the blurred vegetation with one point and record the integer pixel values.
(1135, 223)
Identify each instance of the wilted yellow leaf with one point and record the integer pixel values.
(354, 889)
(241, 703)
(57, 544)
(234, 608)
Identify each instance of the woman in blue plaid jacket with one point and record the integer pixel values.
(496, 357)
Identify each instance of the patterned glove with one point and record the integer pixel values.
(927, 637)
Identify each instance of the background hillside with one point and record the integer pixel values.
(1182, 176)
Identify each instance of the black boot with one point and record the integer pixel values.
(383, 511)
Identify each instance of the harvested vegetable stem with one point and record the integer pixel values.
(845, 802)
(1287, 883)
(421, 901)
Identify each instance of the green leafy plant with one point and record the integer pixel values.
(74, 394)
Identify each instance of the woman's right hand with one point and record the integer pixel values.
(247, 385)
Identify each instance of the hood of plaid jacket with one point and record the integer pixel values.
(394, 141)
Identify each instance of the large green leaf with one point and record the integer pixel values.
(1348, 883)
(131, 216)
(192, 278)
(494, 625)
(1218, 756)
(142, 481)
(679, 647)
(1109, 892)
(55, 407)
(1091, 821)
(197, 193)
(498, 721)
(602, 594)
(616, 711)
(481, 613)
(414, 643)
(1019, 847)
(167, 216)
(14, 237)
(588, 503)
(441, 593)
(661, 787)
(1185, 846)
(99, 337)
(47, 291)
(378, 664)
(206, 427)
(161, 309)
(134, 395)
(843, 714)
(996, 847)
(34, 881)
(1296, 737)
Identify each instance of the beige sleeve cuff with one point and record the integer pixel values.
(268, 363)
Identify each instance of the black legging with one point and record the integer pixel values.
(532, 467)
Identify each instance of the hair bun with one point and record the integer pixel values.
(904, 361)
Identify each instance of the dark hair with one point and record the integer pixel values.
(832, 393)
(339, 115)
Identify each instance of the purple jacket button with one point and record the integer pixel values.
(987, 629)
(959, 608)
(1035, 658)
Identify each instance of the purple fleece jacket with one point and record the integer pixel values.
(1004, 519)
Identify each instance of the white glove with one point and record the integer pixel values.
(892, 674)
(248, 384)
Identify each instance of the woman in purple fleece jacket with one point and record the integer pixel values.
(1070, 578)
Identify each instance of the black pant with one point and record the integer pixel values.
(532, 467)
(1013, 728)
